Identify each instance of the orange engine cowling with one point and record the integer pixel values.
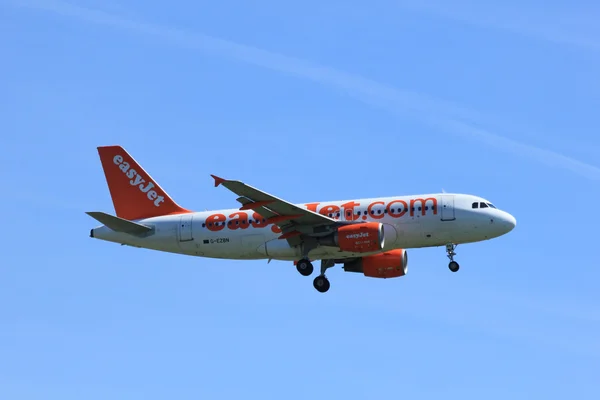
(360, 238)
(391, 264)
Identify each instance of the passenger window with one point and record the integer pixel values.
(475, 205)
(483, 205)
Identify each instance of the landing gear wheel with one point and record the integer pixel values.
(305, 267)
(453, 266)
(321, 283)
(450, 247)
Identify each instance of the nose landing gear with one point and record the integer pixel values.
(453, 265)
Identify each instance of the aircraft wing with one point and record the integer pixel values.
(289, 217)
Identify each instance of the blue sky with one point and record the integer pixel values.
(309, 101)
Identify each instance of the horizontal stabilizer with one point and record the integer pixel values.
(119, 224)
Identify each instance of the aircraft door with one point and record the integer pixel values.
(185, 228)
(448, 207)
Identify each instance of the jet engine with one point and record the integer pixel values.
(391, 264)
(357, 238)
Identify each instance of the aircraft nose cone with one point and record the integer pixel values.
(510, 222)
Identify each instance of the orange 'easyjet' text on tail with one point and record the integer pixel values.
(134, 193)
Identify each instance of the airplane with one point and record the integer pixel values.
(369, 236)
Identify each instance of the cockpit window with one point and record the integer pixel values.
(491, 205)
(475, 205)
(483, 205)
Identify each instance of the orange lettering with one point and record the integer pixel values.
(423, 202)
(215, 222)
(312, 207)
(376, 216)
(333, 210)
(257, 221)
(399, 214)
(241, 222)
(349, 213)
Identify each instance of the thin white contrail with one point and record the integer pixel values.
(578, 30)
(444, 115)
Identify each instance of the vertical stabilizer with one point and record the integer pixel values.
(134, 193)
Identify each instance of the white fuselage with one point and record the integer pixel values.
(409, 222)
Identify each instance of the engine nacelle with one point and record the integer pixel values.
(391, 264)
(357, 238)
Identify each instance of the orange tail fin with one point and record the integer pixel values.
(134, 193)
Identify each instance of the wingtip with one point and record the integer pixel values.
(218, 180)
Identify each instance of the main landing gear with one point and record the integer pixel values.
(321, 283)
(453, 265)
(305, 267)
